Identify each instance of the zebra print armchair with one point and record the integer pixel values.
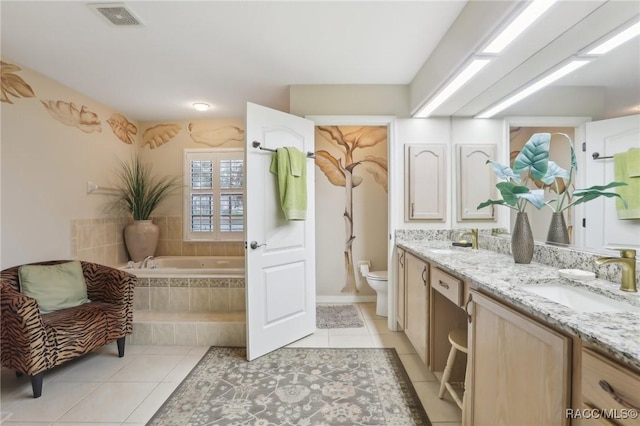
(32, 343)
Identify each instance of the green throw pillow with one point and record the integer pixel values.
(55, 287)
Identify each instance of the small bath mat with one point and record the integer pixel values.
(338, 316)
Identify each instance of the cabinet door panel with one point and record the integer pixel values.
(417, 284)
(426, 182)
(476, 181)
(520, 369)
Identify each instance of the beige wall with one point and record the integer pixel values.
(45, 166)
(349, 100)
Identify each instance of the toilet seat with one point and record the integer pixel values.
(377, 275)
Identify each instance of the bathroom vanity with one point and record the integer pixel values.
(530, 360)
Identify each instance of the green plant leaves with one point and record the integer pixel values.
(554, 171)
(504, 172)
(534, 156)
(591, 193)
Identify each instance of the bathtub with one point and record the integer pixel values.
(189, 267)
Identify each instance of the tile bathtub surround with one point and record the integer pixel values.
(617, 335)
(195, 295)
(99, 240)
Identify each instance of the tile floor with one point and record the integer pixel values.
(110, 391)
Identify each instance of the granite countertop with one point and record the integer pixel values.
(617, 334)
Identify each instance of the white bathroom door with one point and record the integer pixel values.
(280, 254)
(603, 229)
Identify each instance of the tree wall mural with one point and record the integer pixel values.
(346, 171)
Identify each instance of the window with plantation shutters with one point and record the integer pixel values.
(214, 196)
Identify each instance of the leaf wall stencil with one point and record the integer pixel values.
(159, 134)
(340, 171)
(69, 114)
(214, 137)
(122, 128)
(12, 84)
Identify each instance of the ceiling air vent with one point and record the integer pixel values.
(116, 13)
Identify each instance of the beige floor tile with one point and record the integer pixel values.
(95, 367)
(111, 402)
(312, 341)
(438, 410)
(57, 398)
(378, 326)
(167, 350)
(416, 369)
(360, 331)
(147, 368)
(395, 340)
(183, 368)
(152, 403)
(358, 341)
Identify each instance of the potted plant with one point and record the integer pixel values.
(139, 193)
(560, 181)
(531, 163)
(534, 164)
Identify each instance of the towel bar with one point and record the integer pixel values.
(596, 156)
(257, 144)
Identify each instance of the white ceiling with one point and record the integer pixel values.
(228, 53)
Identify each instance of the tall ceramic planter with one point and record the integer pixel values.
(522, 239)
(141, 238)
(558, 232)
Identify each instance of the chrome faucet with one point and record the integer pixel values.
(474, 237)
(627, 261)
(144, 262)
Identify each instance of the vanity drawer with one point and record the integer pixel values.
(448, 286)
(624, 389)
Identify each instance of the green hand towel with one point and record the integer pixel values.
(633, 162)
(291, 167)
(630, 192)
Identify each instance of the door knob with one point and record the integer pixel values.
(254, 245)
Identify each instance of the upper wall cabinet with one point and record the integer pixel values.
(476, 181)
(425, 180)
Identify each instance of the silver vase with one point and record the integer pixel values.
(558, 232)
(141, 238)
(522, 239)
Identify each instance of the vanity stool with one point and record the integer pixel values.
(458, 340)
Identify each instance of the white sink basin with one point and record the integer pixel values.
(443, 251)
(579, 299)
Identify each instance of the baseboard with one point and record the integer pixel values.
(346, 299)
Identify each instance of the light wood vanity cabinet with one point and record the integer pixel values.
(401, 293)
(416, 309)
(622, 393)
(520, 369)
(476, 181)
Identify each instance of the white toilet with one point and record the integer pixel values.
(378, 281)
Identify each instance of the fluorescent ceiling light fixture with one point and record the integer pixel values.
(472, 69)
(617, 40)
(201, 106)
(570, 67)
(518, 25)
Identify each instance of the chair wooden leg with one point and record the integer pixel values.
(36, 384)
(120, 343)
(447, 371)
(19, 374)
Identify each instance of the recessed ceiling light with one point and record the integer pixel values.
(532, 88)
(518, 25)
(616, 40)
(201, 106)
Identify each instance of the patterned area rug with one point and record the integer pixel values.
(338, 316)
(295, 386)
